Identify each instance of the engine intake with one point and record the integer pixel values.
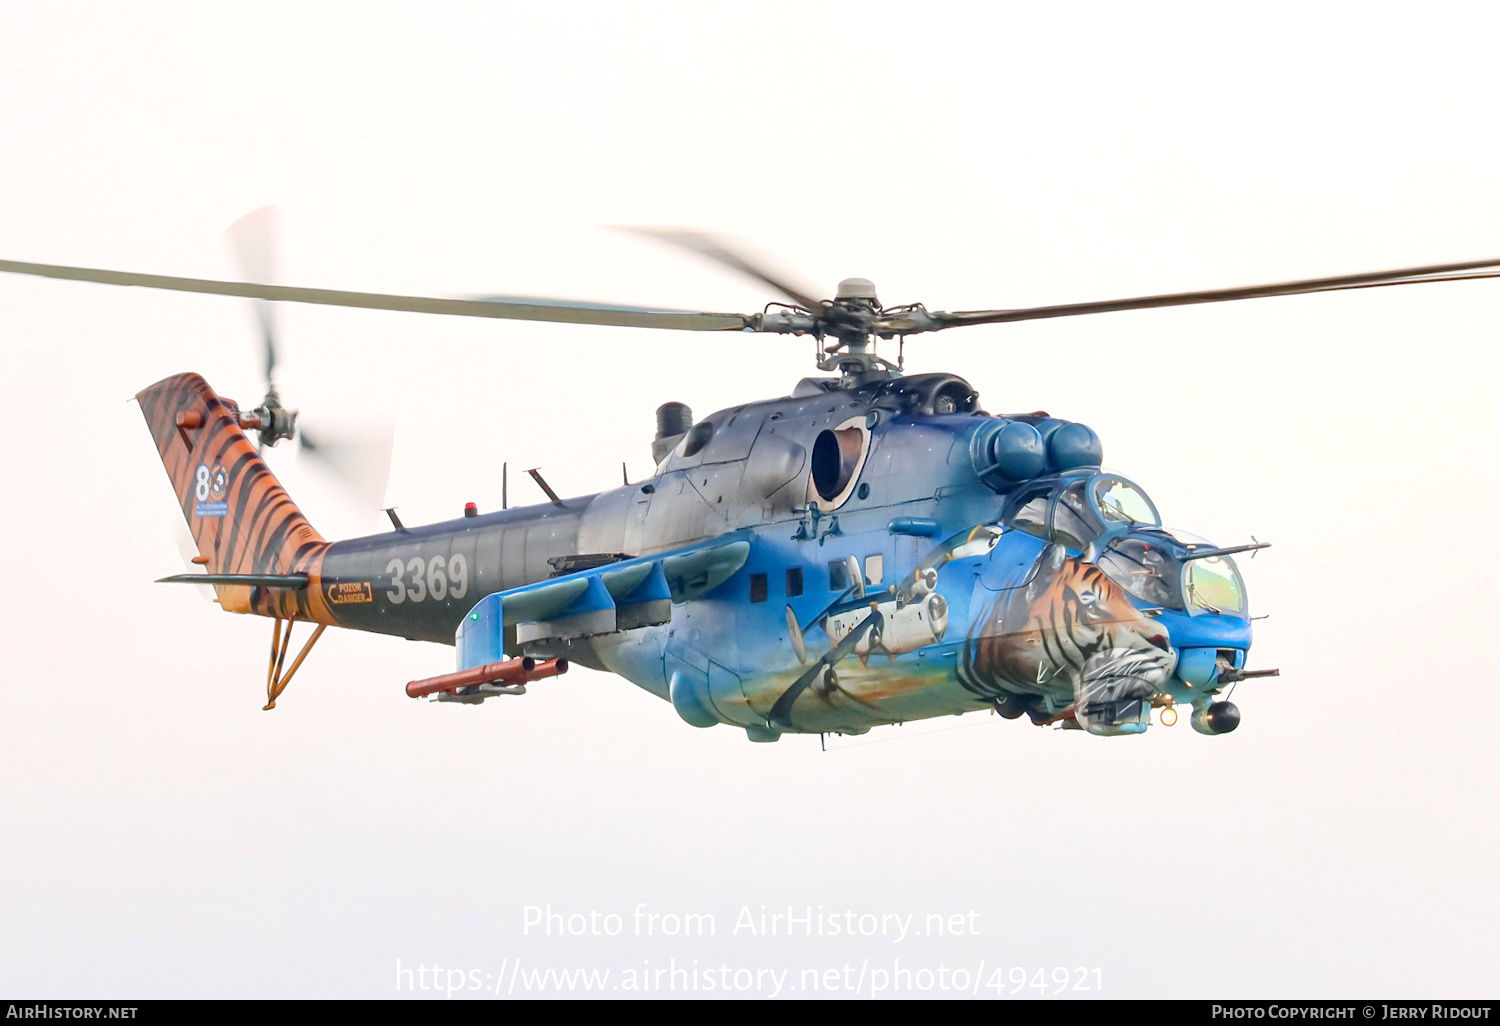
(1008, 450)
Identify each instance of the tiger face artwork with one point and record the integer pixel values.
(1070, 635)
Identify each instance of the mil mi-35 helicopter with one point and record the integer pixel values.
(871, 549)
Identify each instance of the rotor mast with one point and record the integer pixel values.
(851, 318)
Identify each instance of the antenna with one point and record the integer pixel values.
(536, 475)
(504, 483)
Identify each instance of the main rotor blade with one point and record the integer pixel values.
(503, 308)
(253, 238)
(1372, 279)
(717, 249)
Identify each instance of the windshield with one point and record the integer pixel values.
(1120, 501)
(1146, 570)
(1213, 584)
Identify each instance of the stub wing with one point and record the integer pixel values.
(603, 600)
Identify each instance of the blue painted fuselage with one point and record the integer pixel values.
(894, 570)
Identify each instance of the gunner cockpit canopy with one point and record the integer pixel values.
(1116, 523)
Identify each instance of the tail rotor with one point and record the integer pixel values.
(359, 460)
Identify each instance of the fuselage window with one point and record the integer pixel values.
(758, 589)
(874, 569)
(793, 581)
(1031, 512)
(838, 575)
(1071, 523)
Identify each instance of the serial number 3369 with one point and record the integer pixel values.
(417, 580)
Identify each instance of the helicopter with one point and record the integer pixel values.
(872, 548)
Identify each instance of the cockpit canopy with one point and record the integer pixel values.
(1075, 511)
(1114, 521)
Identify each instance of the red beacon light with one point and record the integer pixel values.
(471, 510)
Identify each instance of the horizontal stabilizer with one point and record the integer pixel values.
(296, 582)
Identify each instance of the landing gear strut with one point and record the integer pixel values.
(275, 682)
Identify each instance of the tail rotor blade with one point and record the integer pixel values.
(360, 461)
(188, 549)
(253, 238)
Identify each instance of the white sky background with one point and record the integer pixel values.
(161, 836)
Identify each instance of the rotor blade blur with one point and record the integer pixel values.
(253, 238)
(1372, 279)
(717, 249)
(359, 460)
(514, 309)
(188, 549)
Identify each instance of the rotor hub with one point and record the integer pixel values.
(274, 421)
(857, 288)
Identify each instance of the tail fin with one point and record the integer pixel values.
(241, 519)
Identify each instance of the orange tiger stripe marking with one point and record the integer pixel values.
(261, 529)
